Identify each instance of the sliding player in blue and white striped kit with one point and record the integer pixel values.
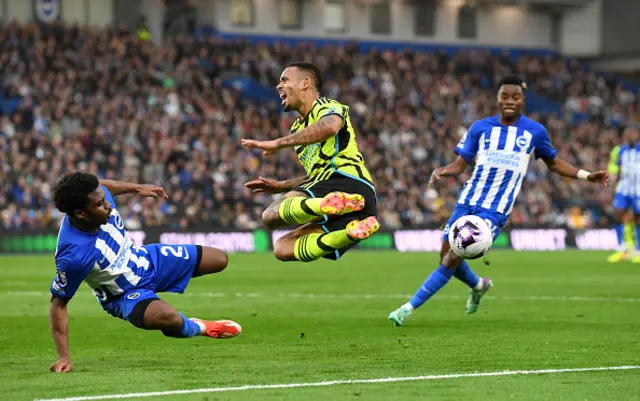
(502, 146)
(93, 247)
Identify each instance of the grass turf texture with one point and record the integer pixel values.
(328, 321)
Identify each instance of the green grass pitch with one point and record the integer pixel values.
(328, 321)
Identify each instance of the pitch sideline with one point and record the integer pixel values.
(340, 382)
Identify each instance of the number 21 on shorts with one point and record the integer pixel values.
(177, 251)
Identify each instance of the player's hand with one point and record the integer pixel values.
(601, 177)
(152, 191)
(266, 185)
(62, 365)
(269, 148)
(435, 176)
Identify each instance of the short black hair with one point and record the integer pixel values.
(512, 80)
(72, 191)
(313, 70)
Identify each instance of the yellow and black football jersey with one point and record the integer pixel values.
(338, 154)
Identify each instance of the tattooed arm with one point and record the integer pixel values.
(321, 130)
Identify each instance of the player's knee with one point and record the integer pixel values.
(217, 260)
(154, 314)
(444, 249)
(223, 261)
(283, 250)
(443, 254)
(451, 260)
(270, 219)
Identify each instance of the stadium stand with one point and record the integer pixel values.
(109, 102)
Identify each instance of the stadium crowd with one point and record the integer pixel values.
(109, 102)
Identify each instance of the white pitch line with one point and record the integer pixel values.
(340, 382)
(368, 296)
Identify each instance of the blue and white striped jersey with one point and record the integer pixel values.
(108, 261)
(628, 162)
(502, 154)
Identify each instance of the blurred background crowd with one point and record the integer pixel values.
(110, 102)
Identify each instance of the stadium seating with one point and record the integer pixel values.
(113, 104)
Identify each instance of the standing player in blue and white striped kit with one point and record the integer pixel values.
(502, 146)
(625, 167)
(93, 247)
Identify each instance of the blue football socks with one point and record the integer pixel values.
(466, 275)
(432, 284)
(189, 329)
(620, 234)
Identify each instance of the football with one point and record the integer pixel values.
(470, 237)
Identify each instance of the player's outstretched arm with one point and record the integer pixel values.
(452, 169)
(267, 185)
(59, 321)
(320, 131)
(118, 188)
(566, 169)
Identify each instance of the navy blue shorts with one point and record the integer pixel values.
(174, 266)
(494, 220)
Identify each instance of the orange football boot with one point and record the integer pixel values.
(219, 328)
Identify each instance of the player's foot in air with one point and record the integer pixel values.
(218, 328)
(399, 315)
(617, 257)
(341, 203)
(362, 229)
(475, 295)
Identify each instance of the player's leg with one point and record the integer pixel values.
(450, 265)
(630, 232)
(312, 241)
(478, 286)
(620, 205)
(438, 278)
(154, 314)
(635, 220)
(298, 207)
(175, 266)
(349, 208)
(212, 260)
(271, 215)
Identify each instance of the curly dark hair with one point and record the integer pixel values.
(72, 191)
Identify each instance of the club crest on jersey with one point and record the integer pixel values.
(133, 295)
(117, 221)
(61, 279)
(335, 110)
(524, 141)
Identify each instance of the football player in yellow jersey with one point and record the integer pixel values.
(335, 202)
